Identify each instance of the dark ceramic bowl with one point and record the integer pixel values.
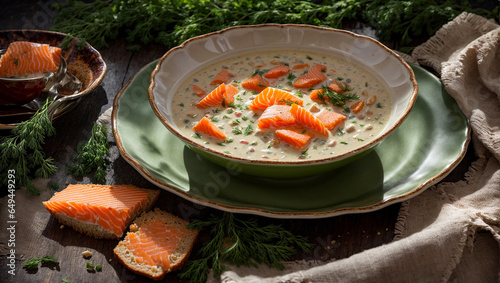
(19, 90)
(84, 62)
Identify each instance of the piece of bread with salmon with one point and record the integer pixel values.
(158, 243)
(100, 211)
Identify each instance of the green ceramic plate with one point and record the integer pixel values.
(422, 151)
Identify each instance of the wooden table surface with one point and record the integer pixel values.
(335, 237)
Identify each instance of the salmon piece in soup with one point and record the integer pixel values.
(277, 72)
(297, 138)
(209, 128)
(271, 96)
(313, 77)
(224, 76)
(256, 83)
(276, 116)
(307, 119)
(330, 119)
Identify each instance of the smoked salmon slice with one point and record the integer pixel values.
(307, 119)
(223, 95)
(158, 242)
(314, 76)
(300, 66)
(198, 90)
(256, 82)
(277, 72)
(224, 76)
(101, 211)
(271, 96)
(330, 119)
(337, 86)
(276, 116)
(23, 57)
(296, 138)
(357, 106)
(229, 94)
(214, 98)
(209, 128)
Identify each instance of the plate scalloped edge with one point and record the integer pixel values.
(273, 214)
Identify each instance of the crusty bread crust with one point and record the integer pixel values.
(96, 231)
(177, 257)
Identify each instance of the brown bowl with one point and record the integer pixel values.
(84, 62)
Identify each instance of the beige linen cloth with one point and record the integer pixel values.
(450, 232)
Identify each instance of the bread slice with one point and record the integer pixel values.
(100, 211)
(158, 243)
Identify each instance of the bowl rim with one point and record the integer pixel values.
(303, 162)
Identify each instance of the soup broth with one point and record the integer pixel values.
(256, 125)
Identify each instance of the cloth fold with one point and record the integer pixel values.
(450, 232)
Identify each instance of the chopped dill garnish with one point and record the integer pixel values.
(248, 130)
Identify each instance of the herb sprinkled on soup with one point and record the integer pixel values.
(282, 105)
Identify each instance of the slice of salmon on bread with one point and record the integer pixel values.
(100, 211)
(158, 243)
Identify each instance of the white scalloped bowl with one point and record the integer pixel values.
(180, 62)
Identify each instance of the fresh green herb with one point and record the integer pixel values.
(196, 136)
(65, 281)
(215, 119)
(22, 150)
(343, 142)
(248, 130)
(299, 94)
(337, 99)
(308, 57)
(258, 72)
(181, 104)
(230, 111)
(33, 263)
(360, 140)
(227, 152)
(98, 267)
(287, 102)
(239, 242)
(91, 155)
(170, 22)
(91, 267)
(237, 131)
(303, 154)
(379, 105)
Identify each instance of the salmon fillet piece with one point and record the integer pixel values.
(24, 57)
(101, 211)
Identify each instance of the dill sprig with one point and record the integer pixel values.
(171, 22)
(33, 263)
(91, 155)
(336, 98)
(241, 242)
(22, 151)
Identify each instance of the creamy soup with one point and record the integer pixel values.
(240, 124)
